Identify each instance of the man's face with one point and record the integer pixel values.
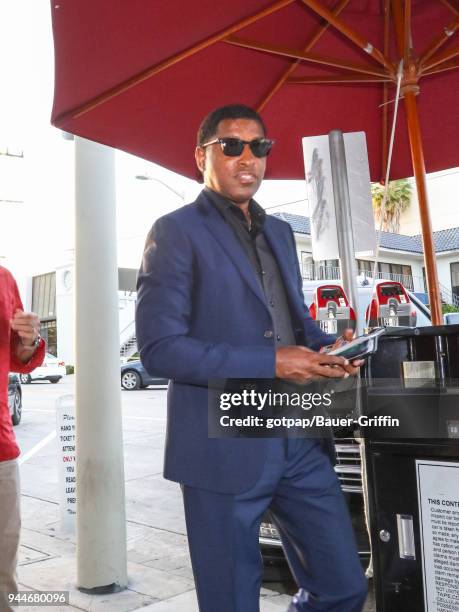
(235, 178)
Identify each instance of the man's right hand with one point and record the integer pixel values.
(301, 364)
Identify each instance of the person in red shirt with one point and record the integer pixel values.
(21, 350)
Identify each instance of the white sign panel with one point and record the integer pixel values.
(358, 179)
(438, 495)
(66, 457)
(319, 183)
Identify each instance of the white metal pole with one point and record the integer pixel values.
(101, 524)
(344, 221)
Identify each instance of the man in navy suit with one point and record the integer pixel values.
(220, 296)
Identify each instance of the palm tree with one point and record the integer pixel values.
(398, 200)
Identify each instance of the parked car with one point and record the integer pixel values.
(52, 369)
(451, 318)
(15, 398)
(134, 376)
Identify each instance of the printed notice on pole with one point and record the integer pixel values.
(66, 457)
(438, 494)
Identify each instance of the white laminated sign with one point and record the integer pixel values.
(66, 458)
(438, 496)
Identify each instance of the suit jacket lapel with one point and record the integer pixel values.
(224, 235)
(284, 262)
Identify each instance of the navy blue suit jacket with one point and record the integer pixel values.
(201, 314)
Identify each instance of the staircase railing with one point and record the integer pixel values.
(448, 296)
(128, 341)
(318, 272)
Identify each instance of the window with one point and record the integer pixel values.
(307, 265)
(44, 304)
(455, 278)
(48, 331)
(329, 269)
(364, 267)
(127, 279)
(397, 272)
(44, 296)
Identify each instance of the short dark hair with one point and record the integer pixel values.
(209, 125)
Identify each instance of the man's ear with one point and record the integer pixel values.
(200, 157)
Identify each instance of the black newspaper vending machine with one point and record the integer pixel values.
(413, 468)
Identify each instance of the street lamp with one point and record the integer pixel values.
(147, 177)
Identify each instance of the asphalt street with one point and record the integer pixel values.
(155, 522)
(143, 430)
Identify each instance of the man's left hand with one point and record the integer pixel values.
(27, 327)
(347, 336)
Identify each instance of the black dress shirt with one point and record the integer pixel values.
(262, 261)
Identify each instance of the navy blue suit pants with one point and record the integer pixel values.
(301, 489)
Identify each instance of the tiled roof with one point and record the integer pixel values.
(445, 240)
(298, 223)
(400, 242)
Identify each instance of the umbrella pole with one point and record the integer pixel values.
(417, 156)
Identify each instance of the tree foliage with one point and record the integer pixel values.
(449, 308)
(398, 200)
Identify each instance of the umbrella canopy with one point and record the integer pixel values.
(140, 76)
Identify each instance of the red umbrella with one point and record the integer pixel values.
(140, 75)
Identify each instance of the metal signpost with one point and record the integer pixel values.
(340, 208)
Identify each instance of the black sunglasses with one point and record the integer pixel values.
(233, 147)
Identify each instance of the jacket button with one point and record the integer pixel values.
(268, 333)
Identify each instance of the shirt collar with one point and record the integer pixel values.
(224, 206)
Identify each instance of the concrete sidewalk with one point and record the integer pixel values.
(160, 577)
